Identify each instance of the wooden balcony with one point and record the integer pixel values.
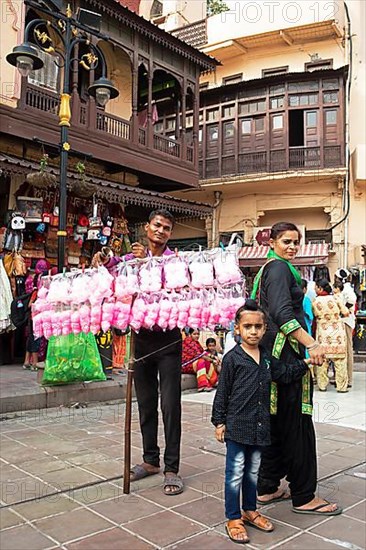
(279, 160)
(100, 132)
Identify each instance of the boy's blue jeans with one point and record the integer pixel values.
(241, 474)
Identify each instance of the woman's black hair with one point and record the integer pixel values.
(281, 227)
(325, 285)
(210, 341)
(250, 305)
(304, 284)
(339, 284)
(192, 330)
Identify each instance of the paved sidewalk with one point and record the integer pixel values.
(69, 462)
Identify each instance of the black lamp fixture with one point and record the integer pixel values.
(25, 58)
(103, 90)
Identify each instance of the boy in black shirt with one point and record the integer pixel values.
(241, 415)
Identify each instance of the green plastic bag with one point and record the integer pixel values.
(72, 358)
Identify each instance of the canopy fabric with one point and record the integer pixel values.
(309, 254)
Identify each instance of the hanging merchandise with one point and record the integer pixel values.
(6, 298)
(149, 293)
(13, 239)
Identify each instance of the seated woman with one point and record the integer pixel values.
(196, 361)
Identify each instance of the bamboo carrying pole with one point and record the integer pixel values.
(128, 416)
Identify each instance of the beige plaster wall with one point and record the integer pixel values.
(11, 32)
(119, 71)
(249, 18)
(188, 229)
(295, 57)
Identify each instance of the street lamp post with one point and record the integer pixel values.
(25, 57)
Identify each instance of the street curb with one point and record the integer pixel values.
(47, 397)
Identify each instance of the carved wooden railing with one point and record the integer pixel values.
(117, 127)
(276, 160)
(166, 145)
(42, 99)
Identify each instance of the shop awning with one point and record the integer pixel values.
(116, 192)
(309, 254)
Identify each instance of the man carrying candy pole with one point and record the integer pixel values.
(158, 356)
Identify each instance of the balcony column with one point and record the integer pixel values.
(75, 100)
(196, 114)
(135, 91)
(92, 106)
(150, 136)
(183, 135)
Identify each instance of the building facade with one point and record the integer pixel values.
(126, 160)
(282, 122)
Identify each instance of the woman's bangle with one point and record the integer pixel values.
(312, 346)
(220, 425)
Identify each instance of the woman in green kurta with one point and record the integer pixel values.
(292, 453)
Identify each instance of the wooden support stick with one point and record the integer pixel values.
(128, 416)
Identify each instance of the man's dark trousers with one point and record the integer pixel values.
(166, 364)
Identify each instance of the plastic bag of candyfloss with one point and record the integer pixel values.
(72, 358)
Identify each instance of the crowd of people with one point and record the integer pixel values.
(262, 408)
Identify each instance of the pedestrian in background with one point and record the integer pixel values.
(349, 298)
(330, 332)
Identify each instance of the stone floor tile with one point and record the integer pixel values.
(186, 470)
(188, 451)
(348, 436)
(71, 525)
(357, 452)
(43, 465)
(20, 453)
(95, 493)
(107, 468)
(113, 539)
(71, 477)
(324, 446)
(49, 506)
(9, 473)
(206, 461)
(24, 537)
(358, 511)
(207, 482)
(23, 489)
(207, 510)
(155, 494)
(9, 519)
(125, 508)
(83, 457)
(334, 491)
(308, 541)
(345, 531)
(349, 484)
(207, 541)
(164, 528)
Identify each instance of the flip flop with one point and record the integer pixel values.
(139, 472)
(273, 500)
(173, 481)
(316, 511)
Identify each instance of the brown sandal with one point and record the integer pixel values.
(235, 527)
(258, 521)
